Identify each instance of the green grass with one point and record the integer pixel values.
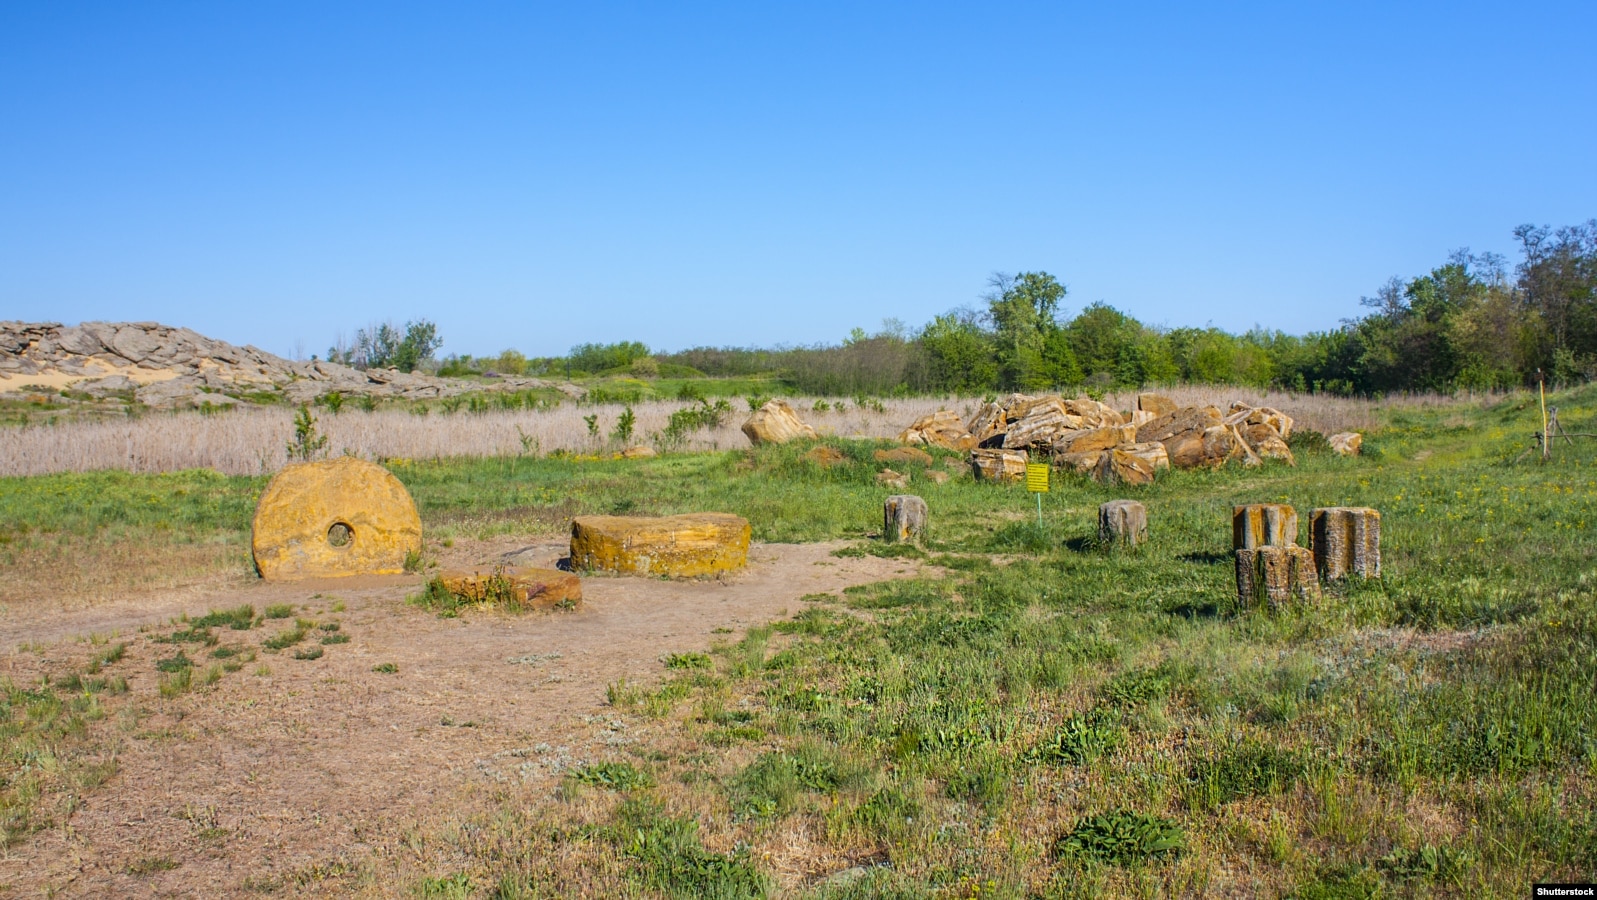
(1043, 719)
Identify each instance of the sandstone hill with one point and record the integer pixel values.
(162, 366)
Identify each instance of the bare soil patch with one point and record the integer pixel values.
(280, 780)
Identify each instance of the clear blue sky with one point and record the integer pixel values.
(536, 175)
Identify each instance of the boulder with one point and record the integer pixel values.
(1267, 442)
(1157, 404)
(940, 429)
(1152, 452)
(904, 518)
(1122, 523)
(679, 546)
(1263, 525)
(776, 423)
(903, 455)
(889, 478)
(1141, 417)
(1181, 421)
(1080, 463)
(336, 517)
(987, 422)
(514, 586)
(1088, 439)
(1346, 443)
(998, 465)
(1120, 467)
(1038, 422)
(1094, 414)
(1243, 414)
(1346, 540)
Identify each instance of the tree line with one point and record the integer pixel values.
(1475, 322)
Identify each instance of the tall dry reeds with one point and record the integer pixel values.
(252, 441)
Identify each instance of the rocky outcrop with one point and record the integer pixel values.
(162, 366)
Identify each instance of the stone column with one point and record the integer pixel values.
(1122, 523)
(1263, 525)
(1275, 575)
(903, 518)
(1346, 541)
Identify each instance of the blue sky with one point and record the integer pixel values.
(537, 175)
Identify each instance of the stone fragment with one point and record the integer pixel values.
(1122, 523)
(998, 465)
(826, 457)
(1267, 442)
(903, 455)
(1152, 452)
(940, 429)
(1275, 575)
(904, 518)
(515, 586)
(1101, 438)
(1141, 417)
(641, 451)
(776, 423)
(1263, 525)
(936, 476)
(987, 422)
(1039, 423)
(1120, 467)
(1080, 463)
(1346, 540)
(892, 479)
(679, 546)
(1157, 404)
(1094, 414)
(335, 517)
(1243, 414)
(1346, 443)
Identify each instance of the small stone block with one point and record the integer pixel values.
(904, 518)
(1346, 541)
(1263, 525)
(529, 588)
(1122, 523)
(1275, 575)
(679, 546)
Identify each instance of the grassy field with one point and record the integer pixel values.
(1042, 718)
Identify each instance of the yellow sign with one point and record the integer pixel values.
(1037, 478)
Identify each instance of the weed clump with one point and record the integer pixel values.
(1120, 837)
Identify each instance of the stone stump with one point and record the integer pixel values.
(522, 587)
(904, 518)
(331, 518)
(1275, 575)
(1263, 525)
(1346, 540)
(1122, 523)
(680, 546)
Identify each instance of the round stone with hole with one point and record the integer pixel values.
(334, 517)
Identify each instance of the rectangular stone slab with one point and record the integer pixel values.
(678, 546)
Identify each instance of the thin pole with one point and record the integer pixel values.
(1039, 510)
(1546, 444)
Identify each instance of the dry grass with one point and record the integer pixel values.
(251, 441)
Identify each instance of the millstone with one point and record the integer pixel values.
(331, 518)
(681, 546)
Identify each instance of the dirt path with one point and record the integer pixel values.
(263, 777)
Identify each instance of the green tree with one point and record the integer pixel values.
(958, 354)
(1023, 310)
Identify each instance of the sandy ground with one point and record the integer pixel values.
(266, 775)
